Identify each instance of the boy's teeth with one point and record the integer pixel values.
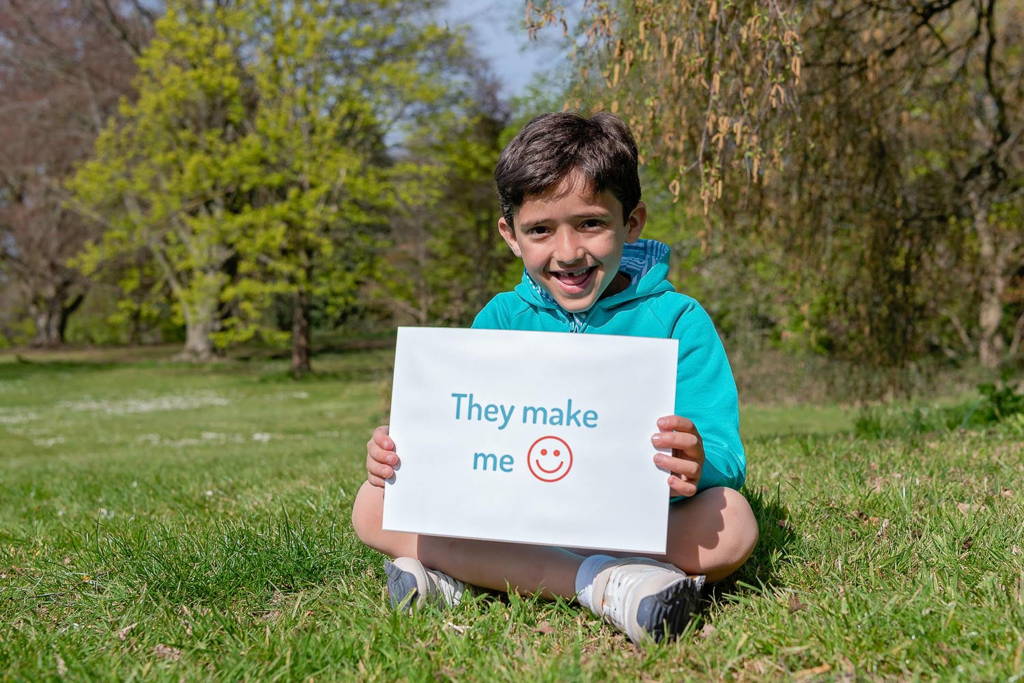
(573, 277)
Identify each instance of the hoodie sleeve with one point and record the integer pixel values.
(706, 394)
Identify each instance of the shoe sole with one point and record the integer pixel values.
(666, 613)
(402, 587)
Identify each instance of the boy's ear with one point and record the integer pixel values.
(635, 223)
(508, 233)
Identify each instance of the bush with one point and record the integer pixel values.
(997, 402)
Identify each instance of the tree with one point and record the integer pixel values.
(332, 81)
(250, 166)
(912, 126)
(62, 67)
(446, 260)
(161, 178)
(894, 190)
(700, 82)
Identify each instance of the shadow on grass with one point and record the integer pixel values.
(763, 569)
(23, 368)
(354, 364)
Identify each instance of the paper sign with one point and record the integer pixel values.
(530, 437)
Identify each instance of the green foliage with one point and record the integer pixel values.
(999, 402)
(163, 175)
(253, 166)
(859, 203)
(700, 82)
(17, 332)
(446, 260)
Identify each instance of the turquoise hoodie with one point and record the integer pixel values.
(649, 307)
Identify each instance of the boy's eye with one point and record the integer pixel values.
(593, 223)
(538, 230)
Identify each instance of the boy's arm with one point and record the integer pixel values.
(706, 394)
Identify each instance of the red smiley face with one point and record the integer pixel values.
(549, 458)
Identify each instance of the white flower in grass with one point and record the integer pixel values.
(262, 437)
(17, 418)
(106, 514)
(146, 405)
(49, 443)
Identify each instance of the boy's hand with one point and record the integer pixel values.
(687, 459)
(381, 459)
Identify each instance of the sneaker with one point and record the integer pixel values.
(645, 598)
(410, 584)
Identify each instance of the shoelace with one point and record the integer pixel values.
(449, 589)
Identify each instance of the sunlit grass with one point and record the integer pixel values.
(165, 520)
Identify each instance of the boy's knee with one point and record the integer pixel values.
(738, 535)
(739, 520)
(718, 532)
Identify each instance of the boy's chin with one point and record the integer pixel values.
(573, 305)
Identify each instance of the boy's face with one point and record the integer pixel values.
(570, 240)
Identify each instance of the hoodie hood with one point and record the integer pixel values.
(644, 261)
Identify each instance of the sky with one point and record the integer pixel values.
(497, 34)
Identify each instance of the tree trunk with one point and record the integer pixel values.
(991, 286)
(199, 306)
(47, 325)
(300, 335)
(199, 326)
(198, 344)
(51, 314)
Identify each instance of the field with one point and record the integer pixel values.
(160, 520)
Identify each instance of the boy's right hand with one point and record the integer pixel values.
(381, 459)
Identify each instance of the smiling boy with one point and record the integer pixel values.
(571, 210)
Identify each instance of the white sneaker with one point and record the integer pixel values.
(410, 584)
(645, 598)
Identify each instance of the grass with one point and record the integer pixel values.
(167, 521)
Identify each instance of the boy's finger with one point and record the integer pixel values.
(683, 441)
(676, 423)
(688, 469)
(681, 487)
(379, 455)
(379, 470)
(382, 439)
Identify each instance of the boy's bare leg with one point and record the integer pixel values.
(526, 569)
(712, 533)
(367, 520)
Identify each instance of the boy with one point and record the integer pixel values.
(571, 210)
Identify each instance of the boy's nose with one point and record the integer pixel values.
(568, 248)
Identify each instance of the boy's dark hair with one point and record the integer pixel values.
(551, 146)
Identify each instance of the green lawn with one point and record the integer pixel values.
(160, 520)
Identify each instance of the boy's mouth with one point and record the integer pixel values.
(574, 281)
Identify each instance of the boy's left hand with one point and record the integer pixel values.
(687, 459)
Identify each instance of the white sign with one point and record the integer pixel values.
(530, 437)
